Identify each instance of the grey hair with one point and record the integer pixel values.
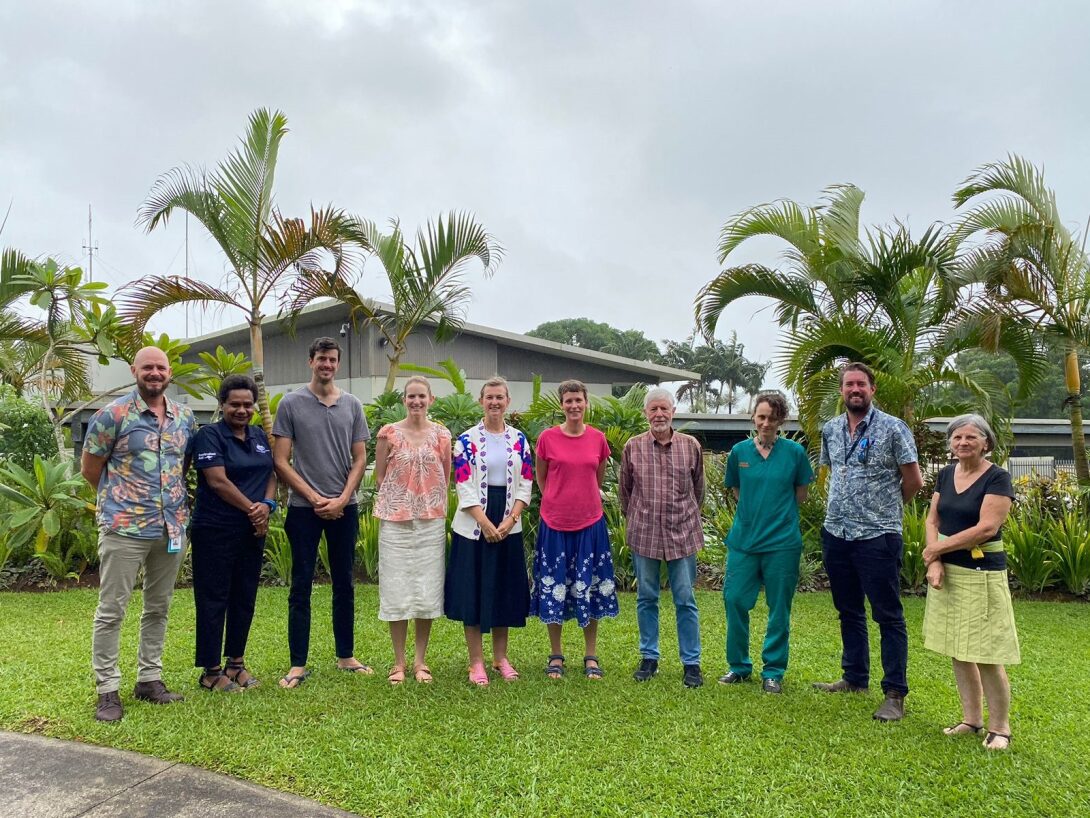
(658, 393)
(978, 421)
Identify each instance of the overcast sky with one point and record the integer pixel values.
(603, 144)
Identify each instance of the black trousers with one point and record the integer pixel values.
(304, 529)
(226, 570)
(869, 569)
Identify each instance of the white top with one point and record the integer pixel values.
(495, 459)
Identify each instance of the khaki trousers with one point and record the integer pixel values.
(121, 558)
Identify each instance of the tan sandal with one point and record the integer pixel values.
(422, 674)
(396, 675)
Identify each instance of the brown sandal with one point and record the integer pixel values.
(396, 675)
(422, 674)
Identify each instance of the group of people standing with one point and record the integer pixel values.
(139, 448)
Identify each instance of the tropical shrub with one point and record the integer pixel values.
(26, 430)
(277, 552)
(913, 570)
(1069, 550)
(46, 499)
(1028, 558)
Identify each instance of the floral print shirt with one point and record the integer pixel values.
(865, 474)
(415, 484)
(142, 491)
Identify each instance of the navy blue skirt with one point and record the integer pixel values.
(573, 575)
(486, 581)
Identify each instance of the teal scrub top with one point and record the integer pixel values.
(767, 516)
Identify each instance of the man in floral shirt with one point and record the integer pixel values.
(135, 455)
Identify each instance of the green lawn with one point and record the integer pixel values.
(538, 747)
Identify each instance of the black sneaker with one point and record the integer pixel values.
(732, 678)
(693, 677)
(772, 686)
(109, 707)
(647, 669)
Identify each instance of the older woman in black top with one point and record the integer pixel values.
(236, 486)
(969, 615)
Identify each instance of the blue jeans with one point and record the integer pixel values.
(869, 569)
(682, 574)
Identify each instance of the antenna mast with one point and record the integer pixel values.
(91, 247)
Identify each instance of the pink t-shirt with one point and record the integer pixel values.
(571, 500)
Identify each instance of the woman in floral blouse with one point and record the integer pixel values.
(486, 587)
(412, 470)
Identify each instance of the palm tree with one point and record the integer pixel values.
(632, 343)
(426, 281)
(1031, 268)
(263, 248)
(883, 298)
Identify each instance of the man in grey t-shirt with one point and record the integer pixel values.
(320, 451)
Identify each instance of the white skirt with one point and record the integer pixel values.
(411, 570)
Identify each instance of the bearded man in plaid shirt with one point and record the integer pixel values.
(661, 491)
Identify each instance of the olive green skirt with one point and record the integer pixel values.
(971, 618)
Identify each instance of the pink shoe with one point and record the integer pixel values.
(477, 675)
(503, 667)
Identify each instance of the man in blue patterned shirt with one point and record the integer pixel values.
(871, 457)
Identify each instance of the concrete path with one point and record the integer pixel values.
(49, 778)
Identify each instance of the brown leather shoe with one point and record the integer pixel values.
(109, 707)
(155, 692)
(892, 709)
(839, 686)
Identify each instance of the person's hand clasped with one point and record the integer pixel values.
(258, 514)
(930, 554)
(935, 573)
(329, 508)
(505, 526)
(490, 532)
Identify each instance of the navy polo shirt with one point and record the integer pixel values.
(248, 464)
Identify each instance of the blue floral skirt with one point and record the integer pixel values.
(573, 575)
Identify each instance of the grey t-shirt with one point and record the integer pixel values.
(322, 438)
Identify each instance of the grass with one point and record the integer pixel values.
(546, 748)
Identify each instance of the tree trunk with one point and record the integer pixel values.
(257, 355)
(1073, 382)
(391, 374)
(54, 420)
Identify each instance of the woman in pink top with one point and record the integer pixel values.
(412, 470)
(573, 566)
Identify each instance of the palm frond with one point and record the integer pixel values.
(191, 190)
(140, 300)
(244, 180)
(840, 218)
(794, 295)
(1016, 177)
(784, 219)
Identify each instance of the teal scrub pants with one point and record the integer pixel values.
(778, 572)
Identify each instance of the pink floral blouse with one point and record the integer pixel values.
(415, 484)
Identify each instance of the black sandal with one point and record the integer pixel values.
(236, 669)
(212, 681)
(974, 729)
(555, 671)
(992, 735)
(595, 672)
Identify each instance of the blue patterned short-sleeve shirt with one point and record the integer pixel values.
(865, 474)
(142, 491)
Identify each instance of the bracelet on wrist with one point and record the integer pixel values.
(272, 504)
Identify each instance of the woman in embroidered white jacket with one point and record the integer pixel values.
(486, 585)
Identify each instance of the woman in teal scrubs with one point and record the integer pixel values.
(769, 475)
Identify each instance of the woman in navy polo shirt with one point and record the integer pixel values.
(236, 485)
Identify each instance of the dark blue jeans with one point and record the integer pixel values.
(304, 529)
(869, 568)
